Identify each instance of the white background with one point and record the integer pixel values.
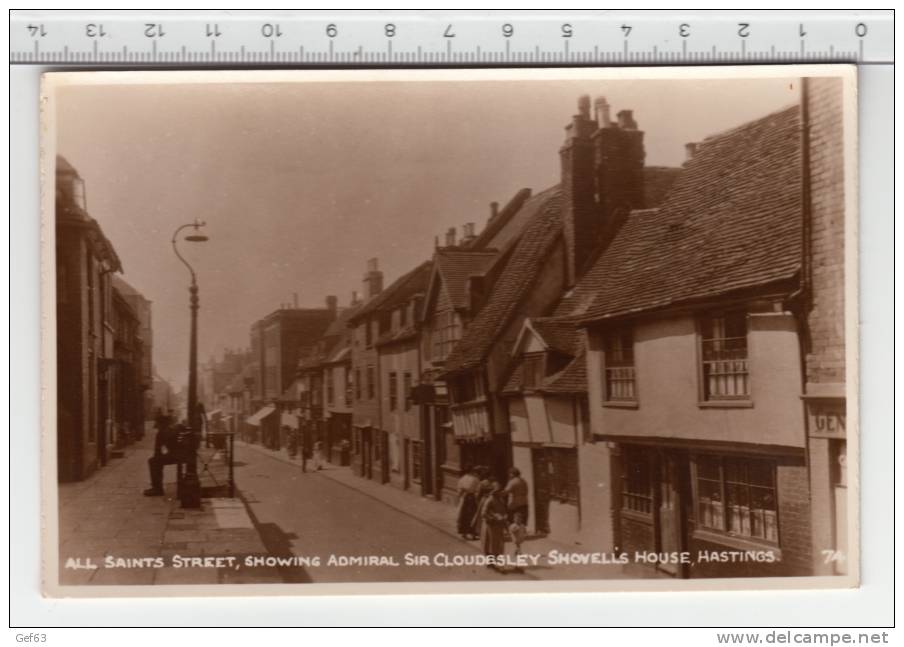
(871, 605)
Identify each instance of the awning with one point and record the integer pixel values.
(289, 420)
(262, 413)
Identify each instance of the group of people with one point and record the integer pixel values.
(488, 511)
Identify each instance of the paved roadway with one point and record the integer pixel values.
(310, 515)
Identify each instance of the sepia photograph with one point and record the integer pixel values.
(449, 330)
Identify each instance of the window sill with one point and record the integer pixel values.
(726, 404)
(621, 404)
(737, 542)
(637, 516)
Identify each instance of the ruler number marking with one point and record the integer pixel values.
(743, 29)
(567, 30)
(449, 33)
(271, 30)
(626, 30)
(508, 30)
(153, 30)
(37, 31)
(212, 31)
(95, 30)
(389, 29)
(861, 29)
(801, 30)
(684, 30)
(332, 30)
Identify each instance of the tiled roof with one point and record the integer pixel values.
(571, 379)
(455, 266)
(394, 336)
(560, 335)
(334, 338)
(400, 291)
(732, 221)
(543, 227)
(506, 219)
(657, 181)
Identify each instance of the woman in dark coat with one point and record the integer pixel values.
(468, 487)
(494, 516)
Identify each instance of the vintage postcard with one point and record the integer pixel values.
(450, 330)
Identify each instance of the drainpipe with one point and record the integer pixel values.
(805, 195)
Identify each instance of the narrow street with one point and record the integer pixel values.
(310, 514)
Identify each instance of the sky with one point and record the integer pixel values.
(300, 183)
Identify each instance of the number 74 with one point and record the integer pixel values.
(829, 556)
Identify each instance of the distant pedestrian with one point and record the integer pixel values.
(318, 455)
(165, 453)
(516, 492)
(483, 491)
(494, 517)
(468, 489)
(517, 531)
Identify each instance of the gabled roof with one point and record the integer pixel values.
(731, 222)
(505, 219)
(454, 266)
(400, 291)
(515, 281)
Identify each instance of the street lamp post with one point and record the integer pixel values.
(190, 491)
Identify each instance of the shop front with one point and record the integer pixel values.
(711, 512)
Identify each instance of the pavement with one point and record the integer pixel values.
(365, 517)
(110, 534)
(283, 526)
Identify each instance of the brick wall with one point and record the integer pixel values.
(825, 356)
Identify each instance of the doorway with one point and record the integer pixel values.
(671, 484)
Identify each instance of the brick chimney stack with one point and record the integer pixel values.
(332, 304)
(467, 233)
(373, 280)
(619, 165)
(580, 218)
(450, 237)
(690, 149)
(602, 175)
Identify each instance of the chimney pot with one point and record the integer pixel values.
(690, 149)
(494, 210)
(626, 120)
(450, 237)
(584, 106)
(332, 303)
(603, 116)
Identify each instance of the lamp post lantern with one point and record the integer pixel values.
(190, 490)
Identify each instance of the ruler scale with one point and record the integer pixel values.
(372, 39)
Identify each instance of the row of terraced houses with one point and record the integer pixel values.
(660, 351)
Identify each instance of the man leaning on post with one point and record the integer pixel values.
(164, 453)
